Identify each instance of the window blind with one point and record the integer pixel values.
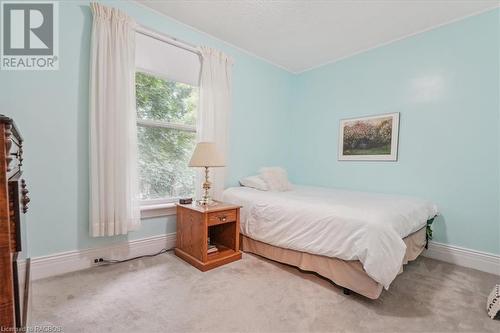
(166, 61)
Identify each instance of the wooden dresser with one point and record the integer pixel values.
(14, 278)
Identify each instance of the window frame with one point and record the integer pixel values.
(160, 206)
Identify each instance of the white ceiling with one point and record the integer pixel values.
(299, 35)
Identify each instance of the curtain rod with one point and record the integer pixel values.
(167, 39)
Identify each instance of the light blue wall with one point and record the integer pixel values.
(445, 84)
(51, 109)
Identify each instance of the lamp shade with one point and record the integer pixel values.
(206, 155)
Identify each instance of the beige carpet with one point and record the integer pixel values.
(164, 294)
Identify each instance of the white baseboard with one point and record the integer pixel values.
(482, 261)
(71, 261)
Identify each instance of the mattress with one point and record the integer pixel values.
(347, 225)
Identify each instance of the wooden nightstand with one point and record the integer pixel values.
(195, 224)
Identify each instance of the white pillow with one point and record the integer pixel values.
(254, 182)
(276, 178)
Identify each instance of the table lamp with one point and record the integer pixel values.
(206, 155)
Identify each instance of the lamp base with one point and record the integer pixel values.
(204, 202)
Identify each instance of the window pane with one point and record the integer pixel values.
(164, 100)
(163, 158)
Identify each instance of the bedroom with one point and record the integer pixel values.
(298, 78)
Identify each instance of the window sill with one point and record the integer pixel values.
(157, 210)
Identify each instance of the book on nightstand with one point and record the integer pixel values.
(211, 248)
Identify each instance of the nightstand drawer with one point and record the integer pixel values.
(222, 217)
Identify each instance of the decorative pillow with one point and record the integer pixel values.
(493, 305)
(254, 182)
(276, 178)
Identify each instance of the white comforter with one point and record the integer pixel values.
(348, 225)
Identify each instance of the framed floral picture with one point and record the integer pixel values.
(372, 138)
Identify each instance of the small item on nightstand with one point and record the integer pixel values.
(185, 201)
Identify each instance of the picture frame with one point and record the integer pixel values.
(369, 138)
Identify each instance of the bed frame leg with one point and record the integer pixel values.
(347, 291)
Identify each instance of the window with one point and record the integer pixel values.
(166, 126)
(167, 97)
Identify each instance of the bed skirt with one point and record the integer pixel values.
(347, 274)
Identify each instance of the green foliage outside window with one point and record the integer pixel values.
(164, 152)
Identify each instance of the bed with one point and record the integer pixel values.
(358, 240)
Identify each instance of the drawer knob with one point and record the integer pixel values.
(223, 218)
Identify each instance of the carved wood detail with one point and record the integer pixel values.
(24, 196)
(20, 154)
(8, 144)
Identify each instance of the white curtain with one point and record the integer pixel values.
(213, 111)
(114, 204)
